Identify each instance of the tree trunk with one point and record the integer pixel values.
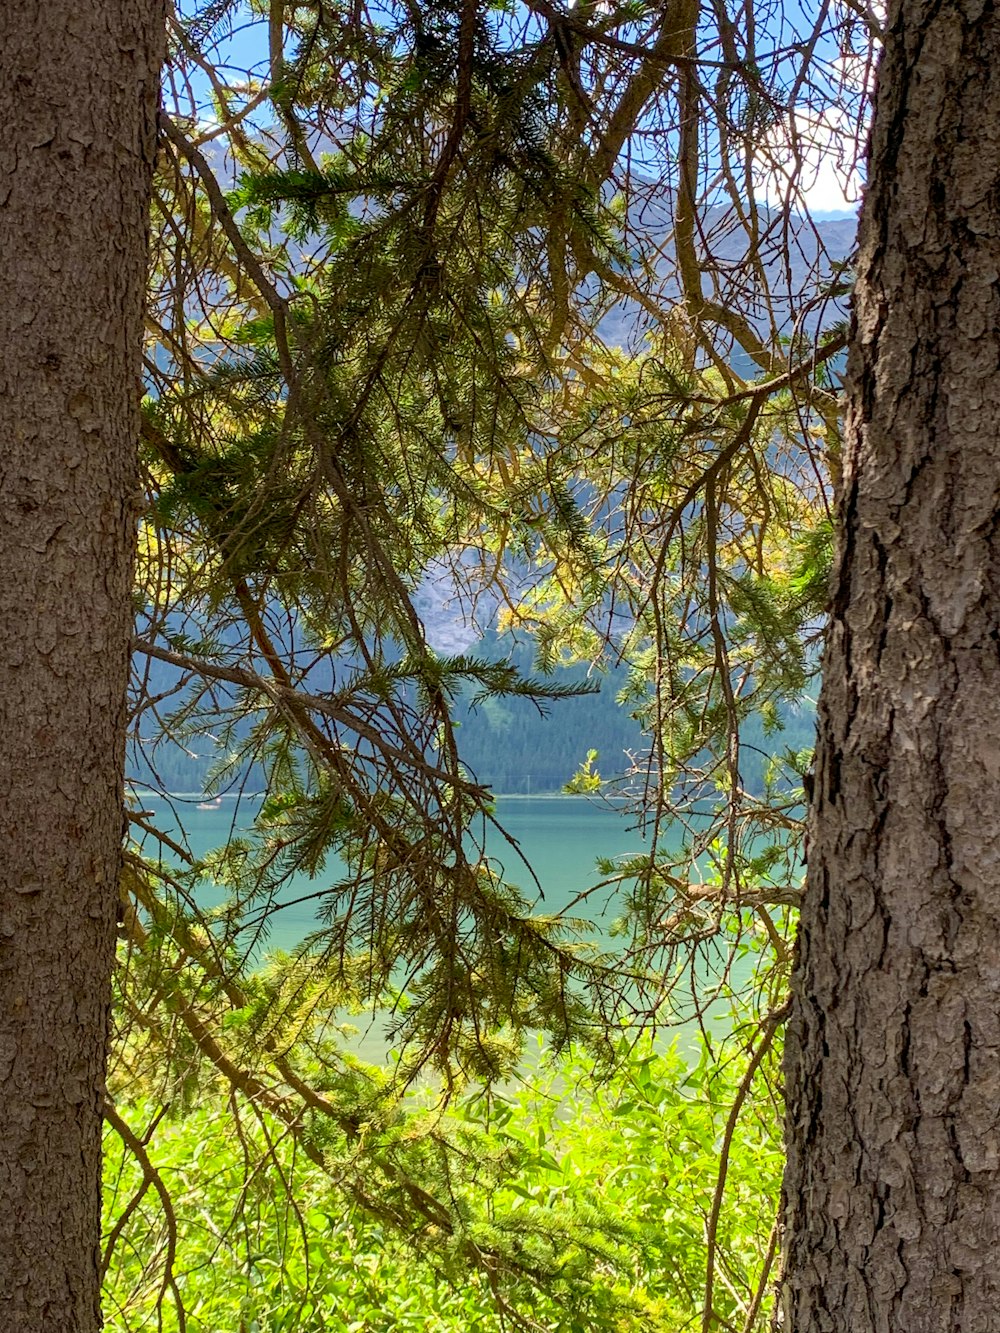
(892, 1191)
(78, 96)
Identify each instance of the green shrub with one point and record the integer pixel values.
(597, 1189)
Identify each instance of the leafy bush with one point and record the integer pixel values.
(599, 1188)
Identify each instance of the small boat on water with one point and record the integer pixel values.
(210, 805)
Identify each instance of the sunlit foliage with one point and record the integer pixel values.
(514, 299)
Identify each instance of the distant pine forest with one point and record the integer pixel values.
(509, 744)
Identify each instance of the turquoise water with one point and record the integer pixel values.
(560, 838)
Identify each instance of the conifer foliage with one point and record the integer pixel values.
(485, 295)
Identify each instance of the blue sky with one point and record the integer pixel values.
(829, 184)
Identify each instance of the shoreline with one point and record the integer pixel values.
(254, 795)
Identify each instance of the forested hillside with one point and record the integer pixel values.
(510, 744)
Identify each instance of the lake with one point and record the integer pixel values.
(560, 837)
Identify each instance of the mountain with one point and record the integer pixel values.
(509, 744)
(796, 258)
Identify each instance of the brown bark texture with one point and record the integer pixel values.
(78, 95)
(892, 1191)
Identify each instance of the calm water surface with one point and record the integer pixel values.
(560, 838)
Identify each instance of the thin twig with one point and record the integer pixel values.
(771, 1025)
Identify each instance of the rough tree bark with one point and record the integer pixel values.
(893, 1056)
(78, 90)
